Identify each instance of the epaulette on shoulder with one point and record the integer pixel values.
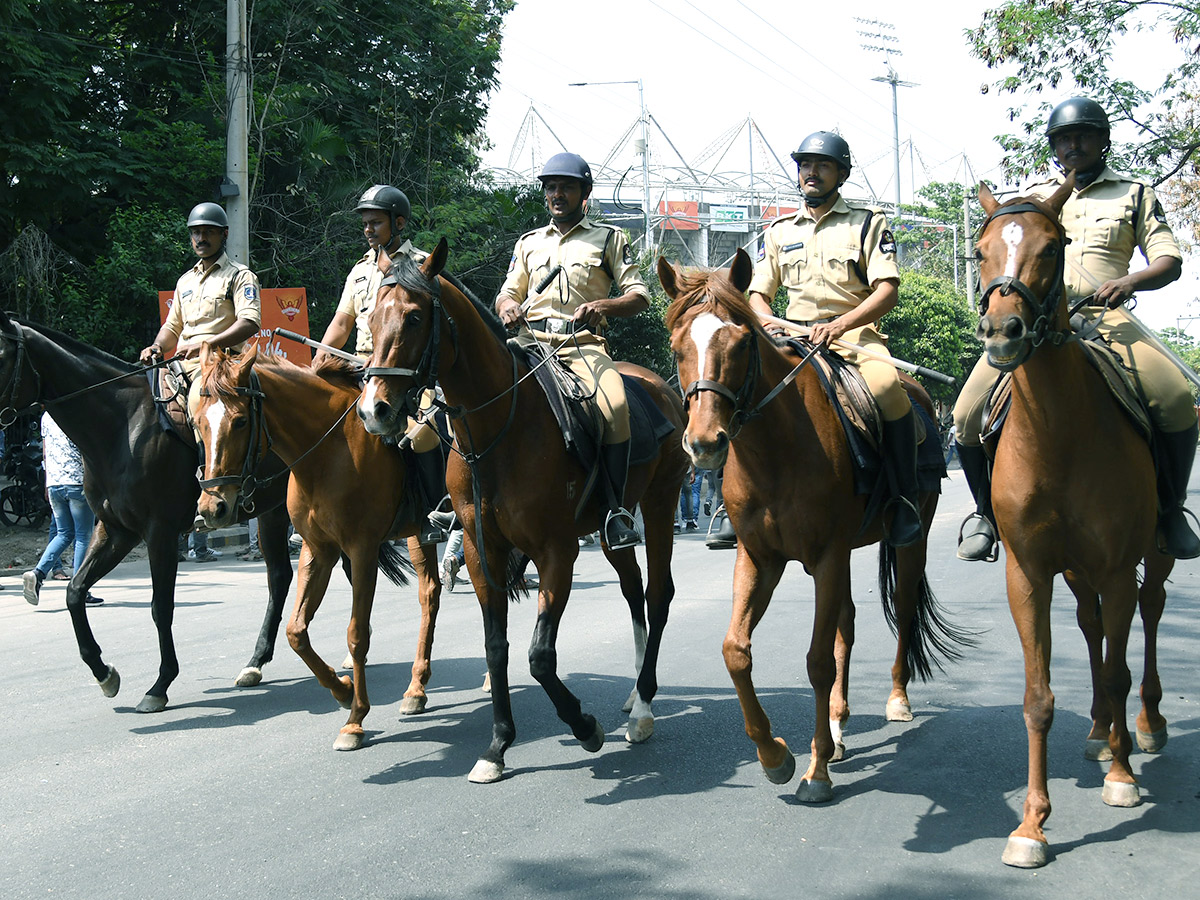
(784, 218)
(861, 206)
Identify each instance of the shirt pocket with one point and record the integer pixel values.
(587, 275)
(793, 260)
(1107, 229)
(844, 266)
(541, 264)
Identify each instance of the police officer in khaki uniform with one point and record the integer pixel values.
(582, 260)
(838, 264)
(217, 300)
(384, 211)
(1105, 219)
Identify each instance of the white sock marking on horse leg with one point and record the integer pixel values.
(836, 727)
(1012, 234)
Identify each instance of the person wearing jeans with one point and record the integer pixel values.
(73, 516)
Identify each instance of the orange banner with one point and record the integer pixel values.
(281, 308)
(680, 215)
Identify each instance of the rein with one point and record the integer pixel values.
(1045, 308)
(741, 415)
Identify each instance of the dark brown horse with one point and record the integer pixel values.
(514, 485)
(789, 492)
(140, 480)
(1064, 438)
(344, 499)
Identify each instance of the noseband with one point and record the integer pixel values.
(1045, 308)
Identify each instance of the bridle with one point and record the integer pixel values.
(745, 394)
(8, 407)
(260, 446)
(1040, 331)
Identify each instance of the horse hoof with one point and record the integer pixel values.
(410, 706)
(111, 683)
(1025, 853)
(783, 772)
(152, 704)
(1120, 793)
(348, 740)
(639, 730)
(1152, 742)
(1097, 749)
(811, 791)
(628, 707)
(839, 752)
(249, 677)
(486, 772)
(595, 742)
(487, 683)
(898, 710)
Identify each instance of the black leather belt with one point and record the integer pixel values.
(564, 326)
(809, 323)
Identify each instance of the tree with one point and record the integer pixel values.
(929, 237)
(931, 326)
(1054, 49)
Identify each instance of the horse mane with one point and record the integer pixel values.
(337, 370)
(712, 288)
(75, 346)
(221, 379)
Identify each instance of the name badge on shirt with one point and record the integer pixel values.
(799, 245)
(185, 295)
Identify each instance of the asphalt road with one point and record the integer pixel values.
(236, 793)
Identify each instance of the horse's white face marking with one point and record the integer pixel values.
(1012, 234)
(367, 402)
(703, 328)
(215, 415)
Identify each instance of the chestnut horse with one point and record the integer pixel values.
(344, 499)
(789, 492)
(140, 480)
(1065, 437)
(513, 484)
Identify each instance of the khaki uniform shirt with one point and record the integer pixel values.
(207, 303)
(593, 257)
(828, 267)
(361, 289)
(1105, 222)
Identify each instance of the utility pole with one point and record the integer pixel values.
(882, 33)
(648, 241)
(968, 249)
(235, 187)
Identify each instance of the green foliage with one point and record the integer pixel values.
(643, 339)
(931, 326)
(1056, 49)
(1185, 346)
(926, 236)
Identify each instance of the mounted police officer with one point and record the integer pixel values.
(838, 264)
(384, 211)
(582, 260)
(1105, 219)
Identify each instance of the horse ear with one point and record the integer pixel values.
(1056, 200)
(209, 355)
(986, 200)
(667, 277)
(5, 321)
(742, 270)
(246, 359)
(435, 262)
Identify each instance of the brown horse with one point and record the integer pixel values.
(344, 499)
(514, 485)
(1065, 436)
(140, 480)
(790, 495)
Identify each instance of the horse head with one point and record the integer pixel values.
(714, 336)
(1021, 252)
(406, 330)
(19, 383)
(229, 420)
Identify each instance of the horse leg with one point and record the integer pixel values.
(1087, 614)
(358, 641)
(839, 701)
(553, 591)
(316, 565)
(272, 541)
(1120, 600)
(753, 585)
(1029, 603)
(493, 603)
(641, 717)
(832, 579)
(1152, 598)
(109, 545)
(429, 592)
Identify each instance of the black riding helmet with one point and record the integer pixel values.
(391, 200)
(1077, 112)
(827, 144)
(569, 165)
(207, 214)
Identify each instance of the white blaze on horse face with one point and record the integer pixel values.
(1012, 235)
(367, 402)
(215, 415)
(703, 328)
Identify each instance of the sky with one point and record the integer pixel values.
(793, 67)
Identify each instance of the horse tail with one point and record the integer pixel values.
(394, 564)
(932, 638)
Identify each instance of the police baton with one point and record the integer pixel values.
(316, 345)
(913, 368)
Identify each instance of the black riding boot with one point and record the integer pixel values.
(1177, 453)
(724, 538)
(430, 482)
(900, 459)
(619, 530)
(977, 534)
